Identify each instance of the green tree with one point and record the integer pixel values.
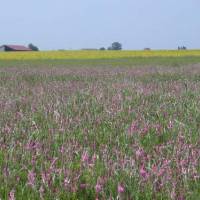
(115, 46)
(33, 47)
(102, 49)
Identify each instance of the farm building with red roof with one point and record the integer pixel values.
(14, 48)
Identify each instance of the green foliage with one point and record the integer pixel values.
(115, 46)
(33, 47)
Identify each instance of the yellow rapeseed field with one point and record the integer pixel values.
(46, 55)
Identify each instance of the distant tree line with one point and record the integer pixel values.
(182, 48)
(114, 46)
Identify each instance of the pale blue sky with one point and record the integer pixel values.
(75, 24)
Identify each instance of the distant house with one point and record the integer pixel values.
(14, 48)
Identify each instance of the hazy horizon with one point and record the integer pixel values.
(94, 24)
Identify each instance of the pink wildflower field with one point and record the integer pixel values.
(100, 131)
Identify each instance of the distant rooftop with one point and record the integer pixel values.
(17, 47)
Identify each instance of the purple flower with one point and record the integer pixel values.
(85, 157)
(41, 191)
(120, 188)
(170, 125)
(143, 172)
(12, 195)
(134, 127)
(31, 178)
(83, 185)
(98, 188)
(139, 153)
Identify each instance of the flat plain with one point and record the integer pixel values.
(103, 128)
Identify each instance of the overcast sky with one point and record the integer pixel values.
(75, 24)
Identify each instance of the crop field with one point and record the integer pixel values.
(99, 126)
(92, 54)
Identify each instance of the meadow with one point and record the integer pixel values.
(93, 127)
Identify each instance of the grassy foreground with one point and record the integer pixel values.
(120, 129)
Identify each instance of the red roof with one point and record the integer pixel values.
(18, 47)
